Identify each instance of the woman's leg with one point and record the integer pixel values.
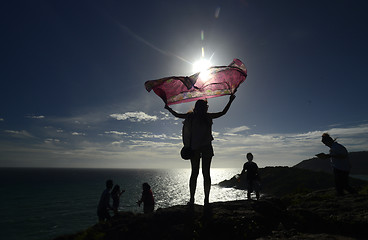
(249, 188)
(193, 177)
(206, 165)
(339, 182)
(257, 187)
(346, 185)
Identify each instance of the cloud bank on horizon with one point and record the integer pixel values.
(154, 141)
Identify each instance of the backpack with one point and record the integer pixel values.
(187, 152)
(186, 132)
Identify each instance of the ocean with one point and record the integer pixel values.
(45, 203)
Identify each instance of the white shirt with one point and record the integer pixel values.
(339, 157)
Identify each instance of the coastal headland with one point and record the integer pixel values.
(300, 208)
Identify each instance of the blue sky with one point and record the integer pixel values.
(73, 72)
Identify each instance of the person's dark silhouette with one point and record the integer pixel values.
(339, 158)
(104, 203)
(250, 168)
(201, 143)
(115, 195)
(147, 199)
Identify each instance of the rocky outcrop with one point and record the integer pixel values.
(298, 204)
(317, 215)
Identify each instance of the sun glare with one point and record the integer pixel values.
(201, 65)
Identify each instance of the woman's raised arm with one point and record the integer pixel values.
(220, 114)
(178, 115)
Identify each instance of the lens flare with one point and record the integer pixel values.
(201, 65)
(217, 12)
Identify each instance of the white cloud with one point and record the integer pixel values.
(156, 136)
(36, 117)
(117, 142)
(16, 133)
(167, 116)
(134, 116)
(52, 140)
(360, 129)
(150, 145)
(115, 132)
(149, 135)
(238, 129)
(78, 134)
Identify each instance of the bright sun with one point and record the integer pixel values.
(201, 65)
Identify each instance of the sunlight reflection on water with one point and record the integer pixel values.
(171, 187)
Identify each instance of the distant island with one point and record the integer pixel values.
(298, 203)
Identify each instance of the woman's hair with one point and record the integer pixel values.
(146, 186)
(200, 107)
(327, 138)
(115, 189)
(200, 110)
(109, 183)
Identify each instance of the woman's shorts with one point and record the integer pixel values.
(204, 152)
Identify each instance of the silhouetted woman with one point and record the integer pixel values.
(115, 195)
(201, 143)
(147, 199)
